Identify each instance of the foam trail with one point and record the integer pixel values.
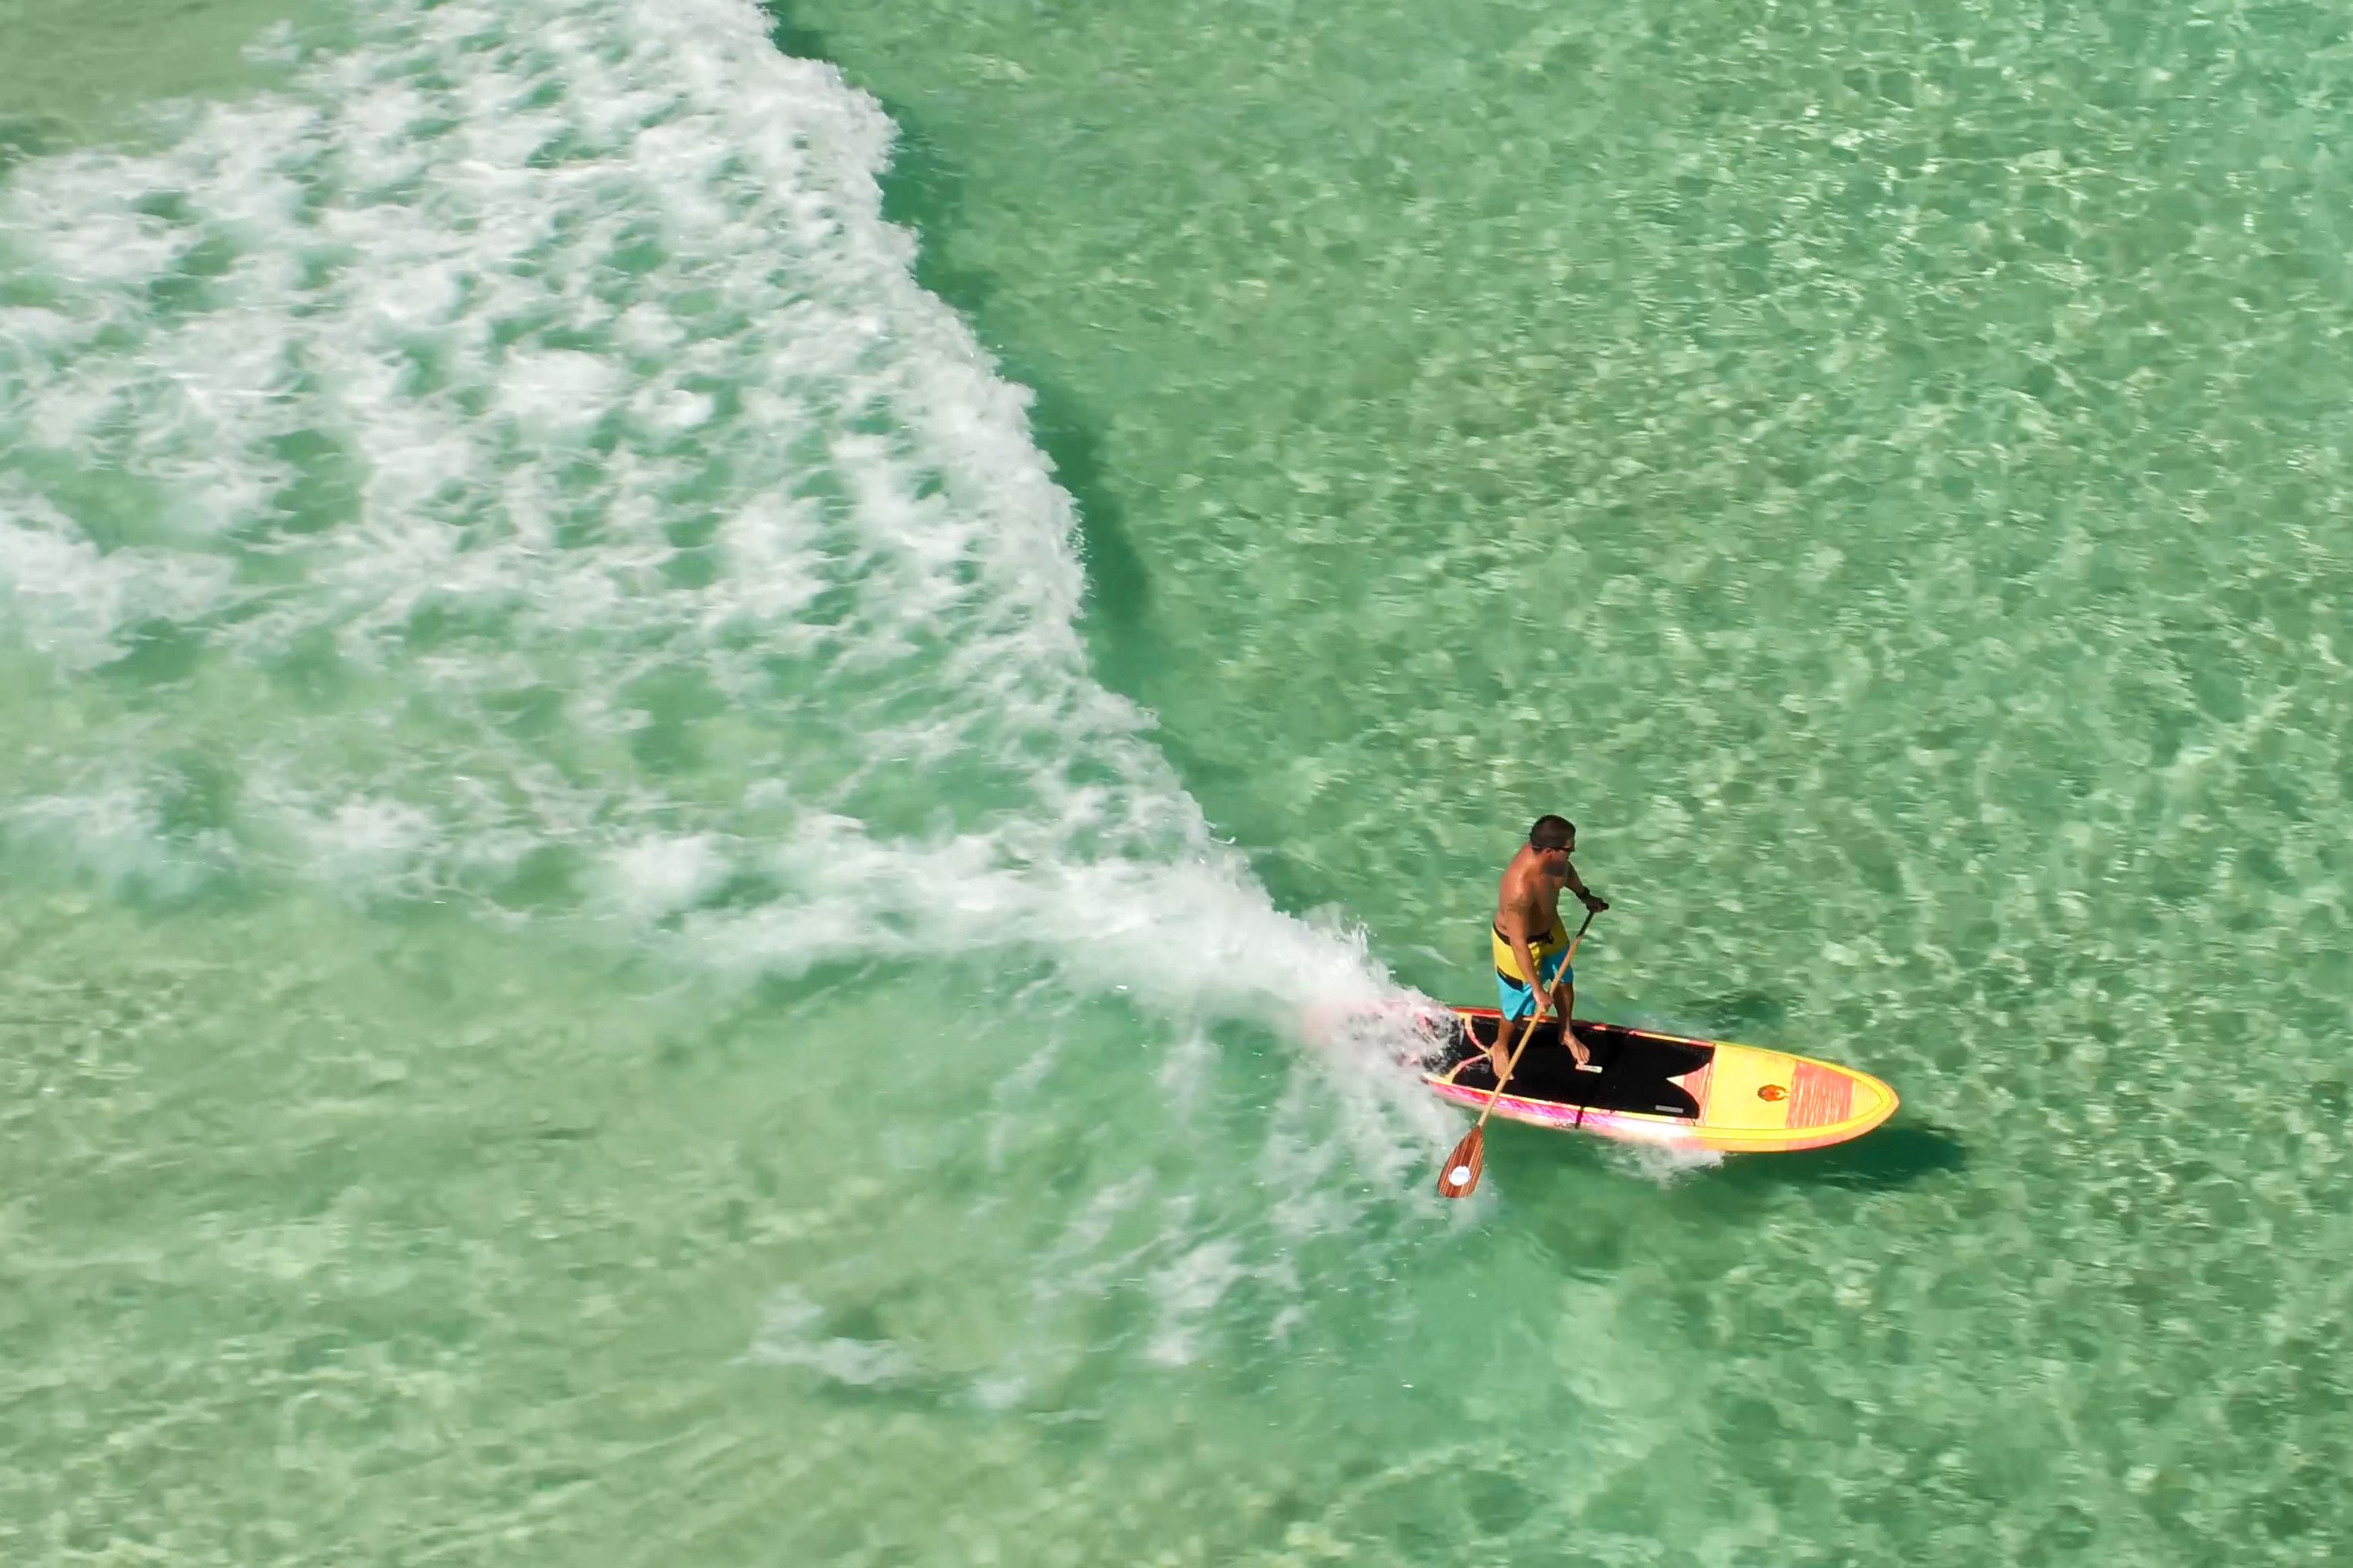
(1666, 1165)
(555, 357)
(539, 405)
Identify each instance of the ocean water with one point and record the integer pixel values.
(720, 715)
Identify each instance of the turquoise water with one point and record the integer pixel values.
(716, 713)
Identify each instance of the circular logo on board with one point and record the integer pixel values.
(1772, 1091)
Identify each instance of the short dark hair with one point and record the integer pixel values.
(1551, 833)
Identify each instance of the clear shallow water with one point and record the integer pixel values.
(634, 941)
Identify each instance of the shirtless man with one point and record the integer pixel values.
(1529, 938)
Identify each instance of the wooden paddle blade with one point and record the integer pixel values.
(1459, 1177)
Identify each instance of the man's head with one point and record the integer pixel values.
(1552, 835)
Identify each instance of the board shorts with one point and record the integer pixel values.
(1517, 998)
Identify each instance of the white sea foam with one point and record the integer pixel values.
(1186, 1292)
(109, 829)
(1665, 1164)
(791, 1333)
(555, 357)
(584, 517)
(75, 603)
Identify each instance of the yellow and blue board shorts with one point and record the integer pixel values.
(1518, 998)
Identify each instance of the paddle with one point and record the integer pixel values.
(1459, 1178)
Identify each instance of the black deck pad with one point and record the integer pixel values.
(1634, 1067)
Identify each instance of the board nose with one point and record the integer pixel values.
(1873, 1101)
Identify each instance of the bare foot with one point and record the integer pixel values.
(1579, 1049)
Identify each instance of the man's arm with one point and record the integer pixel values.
(1584, 894)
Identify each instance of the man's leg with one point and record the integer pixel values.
(1508, 1030)
(1576, 1047)
(1564, 994)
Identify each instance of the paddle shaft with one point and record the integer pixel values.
(1535, 1015)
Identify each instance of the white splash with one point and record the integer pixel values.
(579, 514)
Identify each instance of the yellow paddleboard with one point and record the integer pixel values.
(1652, 1087)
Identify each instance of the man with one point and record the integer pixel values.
(1531, 940)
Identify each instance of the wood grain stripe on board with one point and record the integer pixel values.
(1819, 1095)
(1696, 1084)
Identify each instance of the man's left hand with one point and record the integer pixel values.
(1594, 905)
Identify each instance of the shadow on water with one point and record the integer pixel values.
(923, 192)
(1557, 1175)
(1897, 1155)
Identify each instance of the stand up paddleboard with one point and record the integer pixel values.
(1661, 1089)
